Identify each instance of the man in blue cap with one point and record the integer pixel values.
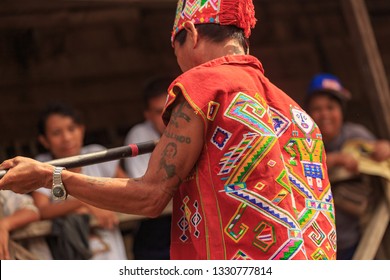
(326, 102)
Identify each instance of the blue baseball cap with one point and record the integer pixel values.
(328, 83)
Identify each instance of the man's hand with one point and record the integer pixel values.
(342, 159)
(25, 175)
(381, 150)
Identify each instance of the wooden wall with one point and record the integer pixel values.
(97, 55)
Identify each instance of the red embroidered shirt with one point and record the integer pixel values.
(260, 188)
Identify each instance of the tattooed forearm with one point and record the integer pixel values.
(179, 138)
(101, 182)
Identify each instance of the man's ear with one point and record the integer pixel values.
(42, 139)
(192, 33)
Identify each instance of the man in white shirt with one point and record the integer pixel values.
(152, 238)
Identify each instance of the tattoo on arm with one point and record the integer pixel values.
(170, 151)
(100, 182)
(168, 155)
(179, 138)
(176, 115)
(179, 114)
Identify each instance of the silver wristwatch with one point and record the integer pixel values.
(58, 190)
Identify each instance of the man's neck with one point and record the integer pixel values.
(233, 48)
(215, 50)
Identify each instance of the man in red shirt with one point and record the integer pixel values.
(244, 163)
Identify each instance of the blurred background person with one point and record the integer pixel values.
(326, 102)
(152, 237)
(16, 211)
(61, 132)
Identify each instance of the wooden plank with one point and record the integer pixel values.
(377, 90)
(27, 6)
(372, 236)
(68, 18)
(371, 65)
(375, 229)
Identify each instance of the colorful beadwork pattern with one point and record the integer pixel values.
(239, 13)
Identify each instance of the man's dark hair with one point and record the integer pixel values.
(156, 87)
(57, 108)
(341, 102)
(216, 33)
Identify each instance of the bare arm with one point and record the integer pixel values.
(341, 159)
(381, 150)
(171, 161)
(18, 219)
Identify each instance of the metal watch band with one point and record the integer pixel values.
(57, 175)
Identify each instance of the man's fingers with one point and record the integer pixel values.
(7, 164)
(4, 253)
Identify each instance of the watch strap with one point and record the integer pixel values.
(58, 189)
(57, 175)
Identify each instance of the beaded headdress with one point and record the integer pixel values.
(240, 13)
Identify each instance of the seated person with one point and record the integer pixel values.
(61, 132)
(326, 103)
(152, 238)
(16, 211)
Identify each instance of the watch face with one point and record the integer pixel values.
(58, 191)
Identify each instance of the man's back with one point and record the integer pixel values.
(260, 189)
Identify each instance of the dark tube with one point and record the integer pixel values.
(131, 150)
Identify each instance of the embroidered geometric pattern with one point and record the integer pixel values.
(267, 208)
(197, 11)
(252, 159)
(240, 255)
(234, 155)
(265, 237)
(271, 163)
(183, 225)
(279, 197)
(302, 120)
(196, 219)
(212, 110)
(319, 205)
(249, 112)
(300, 185)
(333, 239)
(282, 179)
(235, 187)
(308, 151)
(187, 216)
(313, 170)
(259, 186)
(235, 230)
(220, 137)
(317, 235)
(319, 254)
(280, 122)
(288, 250)
(306, 217)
